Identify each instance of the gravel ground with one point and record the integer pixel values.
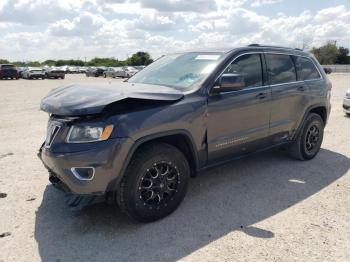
(267, 207)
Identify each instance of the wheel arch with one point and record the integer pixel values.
(319, 109)
(181, 139)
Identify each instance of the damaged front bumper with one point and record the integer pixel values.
(104, 158)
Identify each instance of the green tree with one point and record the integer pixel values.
(139, 58)
(326, 54)
(343, 56)
(4, 61)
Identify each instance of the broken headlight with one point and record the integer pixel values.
(87, 134)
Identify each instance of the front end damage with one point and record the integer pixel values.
(85, 171)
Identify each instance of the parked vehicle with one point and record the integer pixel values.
(82, 69)
(33, 73)
(96, 72)
(73, 70)
(138, 142)
(20, 70)
(130, 71)
(110, 72)
(346, 103)
(125, 71)
(8, 71)
(54, 72)
(139, 68)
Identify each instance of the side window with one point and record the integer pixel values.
(249, 67)
(306, 69)
(281, 69)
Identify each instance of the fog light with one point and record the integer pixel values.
(83, 173)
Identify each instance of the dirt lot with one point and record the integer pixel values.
(264, 208)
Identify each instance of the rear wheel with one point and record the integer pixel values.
(309, 140)
(154, 183)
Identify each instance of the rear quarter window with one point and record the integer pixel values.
(306, 69)
(281, 69)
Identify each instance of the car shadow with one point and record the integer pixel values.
(232, 197)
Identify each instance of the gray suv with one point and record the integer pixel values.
(137, 143)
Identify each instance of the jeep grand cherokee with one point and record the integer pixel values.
(138, 142)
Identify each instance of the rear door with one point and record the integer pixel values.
(289, 96)
(238, 121)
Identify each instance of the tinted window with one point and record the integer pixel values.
(7, 66)
(306, 69)
(281, 69)
(249, 67)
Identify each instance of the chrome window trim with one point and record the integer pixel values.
(269, 52)
(76, 174)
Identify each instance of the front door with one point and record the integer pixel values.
(238, 121)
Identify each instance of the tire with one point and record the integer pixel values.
(104, 75)
(347, 114)
(140, 191)
(309, 140)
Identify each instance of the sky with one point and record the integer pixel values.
(83, 29)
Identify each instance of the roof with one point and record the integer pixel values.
(256, 47)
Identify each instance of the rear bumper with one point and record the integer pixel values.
(36, 75)
(107, 159)
(55, 75)
(346, 105)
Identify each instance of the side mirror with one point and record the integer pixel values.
(229, 82)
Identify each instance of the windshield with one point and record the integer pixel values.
(180, 71)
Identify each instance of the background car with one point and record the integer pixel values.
(54, 72)
(34, 73)
(346, 103)
(130, 70)
(96, 72)
(110, 72)
(125, 71)
(8, 71)
(20, 71)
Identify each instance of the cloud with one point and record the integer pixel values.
(200, 6)
(33, 12)
(257, 3)
(83, 25)
(42, 29)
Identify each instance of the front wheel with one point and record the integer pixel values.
(154, 183)
(309, 140)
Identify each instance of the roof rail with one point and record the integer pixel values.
(252, 45)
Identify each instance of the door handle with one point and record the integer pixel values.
(261, 96)
(301, 88)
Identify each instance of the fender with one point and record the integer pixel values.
(138, 143)
(307, 111)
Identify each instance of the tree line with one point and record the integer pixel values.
(137, 59)
(330, 54)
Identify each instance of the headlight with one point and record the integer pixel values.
(87, 134)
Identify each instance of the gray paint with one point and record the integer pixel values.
(218, 127)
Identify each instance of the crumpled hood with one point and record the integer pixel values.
(77, 99)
